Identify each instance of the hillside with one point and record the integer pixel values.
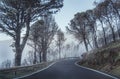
(105, 59)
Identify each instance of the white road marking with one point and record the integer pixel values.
(96, 71)
(75, 64)
(36, 71)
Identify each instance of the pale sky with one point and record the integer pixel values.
(63, 17)
(70, 8)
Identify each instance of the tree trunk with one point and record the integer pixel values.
(94, 33)
(44, 50)
(18, 53)
(85, 43)
(19, 47)
(44, 56)
(40, 57)
(104, 33)
(95, 38)
(89, 43)
(118, 32)
(35, 57)
(112, 29)
(18, 56)
(59, 52)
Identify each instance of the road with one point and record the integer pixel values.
(66, 69)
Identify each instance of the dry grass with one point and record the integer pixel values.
(107, 66)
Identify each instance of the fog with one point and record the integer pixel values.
(74, 50)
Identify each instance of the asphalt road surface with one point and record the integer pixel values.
(66, 69)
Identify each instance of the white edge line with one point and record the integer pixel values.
(96, 71)
(36, 71)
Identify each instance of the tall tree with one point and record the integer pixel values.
(91, 22)
(79, 29)
(18, 14)
(34, 38)
(114, 7)
(42, 34)
(98, 14)
(107, 16)
(60, 40)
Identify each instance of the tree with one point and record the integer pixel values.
(114, 6)
(79, 29)
(35, 33)
(107, 16)
(34, 38)
(91, 22)
(60, 40)
(42, 34)
(18, 14)
(98, 14)
(6, 64)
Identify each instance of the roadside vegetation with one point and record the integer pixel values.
(99, 30)
(17, 16)
(105, 59)
(31, 22)
(21, 71)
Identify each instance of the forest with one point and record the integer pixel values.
(32, 23)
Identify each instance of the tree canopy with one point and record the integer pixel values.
(18, 14)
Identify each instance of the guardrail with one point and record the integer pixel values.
(21, 70)
(24, 70)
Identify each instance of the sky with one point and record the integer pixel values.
(63, 17)
(67, 12)
(70, 8)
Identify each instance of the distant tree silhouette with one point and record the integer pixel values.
(60, 40)
(42, 33)
(79, 29)
(101, 24)
(18, 14)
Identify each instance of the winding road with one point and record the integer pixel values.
(67, 69)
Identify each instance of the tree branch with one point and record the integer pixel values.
(8, 32)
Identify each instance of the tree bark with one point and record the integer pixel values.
(18, 53)
(18, 56)
(85, 43)
(44, 56)
(35, 57)
(40, 57)
(59, 51)
(112, 29)
(118, 30)
(44, 50)
(19, 47)
(95, 37)
(104, 33)
(89, 43)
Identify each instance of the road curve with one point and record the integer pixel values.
(66, 69)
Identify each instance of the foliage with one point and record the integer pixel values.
(60, 40)
(18, 14)
(98, 26)
(42, 34)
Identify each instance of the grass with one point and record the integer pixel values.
(116, 71)
(106, 67)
